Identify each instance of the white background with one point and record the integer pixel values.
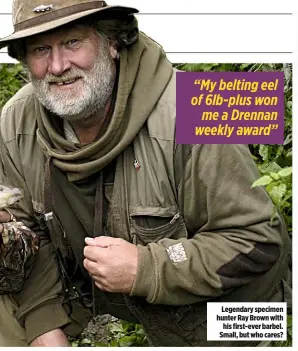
(267, 33)
(215, 326)
(207, 31)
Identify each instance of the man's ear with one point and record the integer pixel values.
(113, 52)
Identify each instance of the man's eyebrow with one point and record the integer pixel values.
(37, 43)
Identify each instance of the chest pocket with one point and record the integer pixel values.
(152, 227)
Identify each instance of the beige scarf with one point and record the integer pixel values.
(143, 75)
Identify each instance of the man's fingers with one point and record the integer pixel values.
(95, 274)
(4, 216)
(94, 253)
(102, 241)
(90, 266)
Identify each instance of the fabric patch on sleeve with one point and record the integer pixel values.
(245, 268)
(177, 253)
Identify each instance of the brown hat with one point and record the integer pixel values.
(31, 17)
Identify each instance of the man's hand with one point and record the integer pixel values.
(112, 263)
(54, 338)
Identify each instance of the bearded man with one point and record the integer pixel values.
(130, 223)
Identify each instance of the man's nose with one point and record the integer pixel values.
(59, 62)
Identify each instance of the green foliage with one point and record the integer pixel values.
(119, 334)
(12, 78)
(288, 342)
(279, 187)
(127, 334)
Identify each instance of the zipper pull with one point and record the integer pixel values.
(48, 216)
(173, 220)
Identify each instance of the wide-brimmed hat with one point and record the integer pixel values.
(32, 17)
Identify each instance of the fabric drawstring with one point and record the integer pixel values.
(47, 188)
(98, 208)
(98, 223)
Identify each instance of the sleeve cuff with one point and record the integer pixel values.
(145, 277)
(48, 316)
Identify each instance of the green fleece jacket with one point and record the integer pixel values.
(202, 239)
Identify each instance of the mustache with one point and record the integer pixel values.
(67, 76)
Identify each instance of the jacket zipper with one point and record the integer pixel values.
(174, 219)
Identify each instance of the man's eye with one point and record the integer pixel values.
(73, 42)
(40, 50)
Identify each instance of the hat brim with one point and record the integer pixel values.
(61, 21)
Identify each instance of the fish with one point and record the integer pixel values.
(9, 195)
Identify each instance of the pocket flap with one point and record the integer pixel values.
(153, 211)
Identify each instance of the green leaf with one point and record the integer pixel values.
(86, 341)
(288, 139)
(114, 343)
(208, 66)
(277, 193)
(99, 344)
(263, 151)
(126, 326)
(265, 180)
(198, 67)
(244, 65)
(126, 341)
(274, 175)
(271, 167)
(285, 172)
(115, 328)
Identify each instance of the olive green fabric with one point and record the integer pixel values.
(11, 333)
(227, 236)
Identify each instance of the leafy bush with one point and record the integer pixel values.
(119, 333)
(12, 78)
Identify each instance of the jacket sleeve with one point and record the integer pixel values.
(231, 241)
(40, 308)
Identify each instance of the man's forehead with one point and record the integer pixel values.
(75, 29)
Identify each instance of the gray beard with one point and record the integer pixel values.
(81, 103)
